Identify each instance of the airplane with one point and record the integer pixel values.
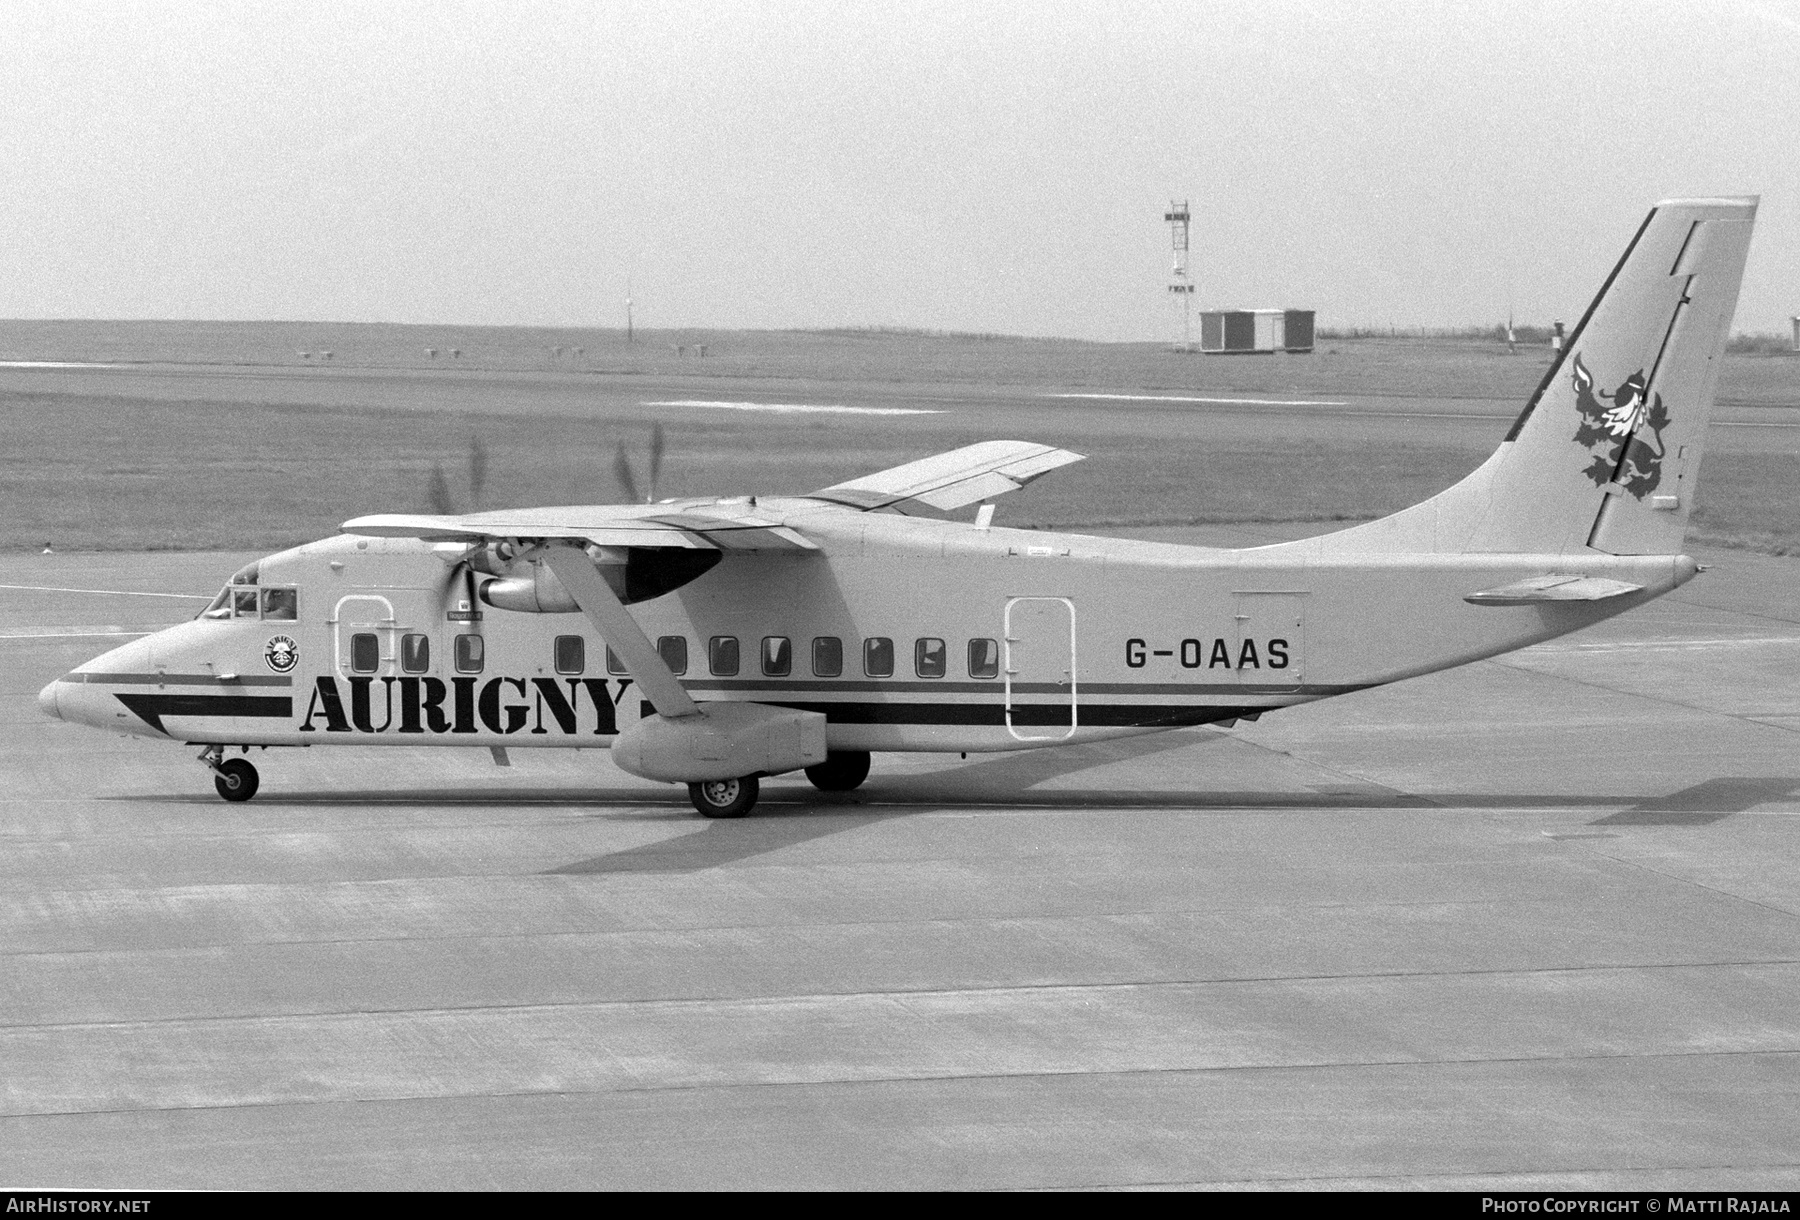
(714, 642)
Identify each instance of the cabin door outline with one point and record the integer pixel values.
(1041, 654)
(348, 619)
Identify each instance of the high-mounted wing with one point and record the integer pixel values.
(950, 480)
(719, 526)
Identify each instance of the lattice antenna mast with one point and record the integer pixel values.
(1181, 286)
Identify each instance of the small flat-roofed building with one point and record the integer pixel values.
(1232, 331)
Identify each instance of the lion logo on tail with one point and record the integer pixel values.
(1623, 430)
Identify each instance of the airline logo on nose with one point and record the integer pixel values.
(1623, 430)
(282, 654)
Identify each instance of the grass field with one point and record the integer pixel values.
(259, 448)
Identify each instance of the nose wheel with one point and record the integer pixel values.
(235, 778)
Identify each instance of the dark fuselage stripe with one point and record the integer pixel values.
(176, 680)
(1036, 715)
(152, 708)
(995, 689)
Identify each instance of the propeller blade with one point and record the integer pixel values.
(656, 457)
(478, 468)
(622, 472)
(437, 492)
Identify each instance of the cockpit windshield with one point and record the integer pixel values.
(244, 598)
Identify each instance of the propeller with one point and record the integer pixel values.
(438, 496)
(444, 503)
(627, 477)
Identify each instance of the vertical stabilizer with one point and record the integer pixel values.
(1606, 453)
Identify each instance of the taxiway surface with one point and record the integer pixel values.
(1532, 923)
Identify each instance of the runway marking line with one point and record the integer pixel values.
(62, 633)
(792, 408)
(192, 597)
(1253, 402)
(1363, 414)
(58, 364)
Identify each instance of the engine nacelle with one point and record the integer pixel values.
(635, 574)
(535, 590)
(725, 741)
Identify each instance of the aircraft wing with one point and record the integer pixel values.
(718, 527)
(950, 480)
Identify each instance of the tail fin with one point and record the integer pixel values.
(1606, 453)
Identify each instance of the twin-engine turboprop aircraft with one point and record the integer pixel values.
(715, 641)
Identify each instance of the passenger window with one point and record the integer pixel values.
(281, 605)
(244, 603)
(570, 654)
(674, 652)
(777, 656)
(471, 655)
(415, 653)
(722, 656)
(613, 664)
(928, 657)
(365, 653)
(878, 657)
(828, 656)
(984, 658)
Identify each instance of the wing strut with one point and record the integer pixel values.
(620, 630)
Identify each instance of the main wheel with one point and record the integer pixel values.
(236, 779)
(724, 798)
(841, 771)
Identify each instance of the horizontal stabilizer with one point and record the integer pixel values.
(1557, 587)
(950, 480)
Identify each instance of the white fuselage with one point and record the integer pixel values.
(907, 633)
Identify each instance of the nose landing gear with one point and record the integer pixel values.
(235, 778)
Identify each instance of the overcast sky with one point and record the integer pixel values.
(981, 166)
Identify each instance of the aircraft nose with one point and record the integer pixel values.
(47, 701)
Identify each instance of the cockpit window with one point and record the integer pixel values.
(246, 575)
(279, 604)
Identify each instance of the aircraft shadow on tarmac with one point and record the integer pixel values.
(1710, 801)
(791, 816)
(723, 843)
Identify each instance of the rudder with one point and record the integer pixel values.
(1606, 453)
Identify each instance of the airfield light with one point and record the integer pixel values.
(1180, 285)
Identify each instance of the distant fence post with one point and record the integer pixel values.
(1797, 332)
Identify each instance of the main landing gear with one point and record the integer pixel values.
(841, 771)
(235, 778)
(724, 798)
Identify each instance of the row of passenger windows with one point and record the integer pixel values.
(724, 658)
